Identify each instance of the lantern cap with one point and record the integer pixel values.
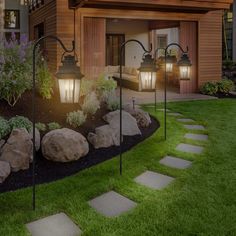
(69, 69)
(171, 59)
(184, 60)
(148, 64)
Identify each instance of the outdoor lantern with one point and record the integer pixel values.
(170, 60)
(184, 67)
(148, 73)
(69, 79)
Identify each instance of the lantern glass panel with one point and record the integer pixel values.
(69, 90)
(185, 72)
(169, 67)
(148, 80)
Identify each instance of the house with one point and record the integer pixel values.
(13, 18)
(229, 42)
(102, 25)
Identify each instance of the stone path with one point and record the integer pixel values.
(175, 162)
(112, 204)
(55, 225)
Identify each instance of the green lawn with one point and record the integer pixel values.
(201, 201)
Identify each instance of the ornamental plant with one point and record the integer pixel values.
(18, 122)
(91, 104)
(5, 128)
(15, 68)
(76, 118)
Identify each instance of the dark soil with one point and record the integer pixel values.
(52, 110)
(230, 95)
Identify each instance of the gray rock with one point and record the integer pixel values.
(18, 150)
(37, 138)
(5, 170)
(2, 142)
(64, 145)
(143, 118)
(104, 137)
(129, 123)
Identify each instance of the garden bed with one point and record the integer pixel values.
(53, 111)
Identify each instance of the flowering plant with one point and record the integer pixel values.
(15, 68)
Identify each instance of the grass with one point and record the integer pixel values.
(201, 201)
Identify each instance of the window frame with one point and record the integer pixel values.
(17, 19)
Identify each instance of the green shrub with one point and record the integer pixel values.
(209, 88)
(225, 86)
(41, 126)
(87, 86)
(104, 86)
(91, 104)
(53, 126)
(15, 68)
(20, 122)
(228, 64)
(44, 82)
(113, 102)
(76, 118)
(5, 128)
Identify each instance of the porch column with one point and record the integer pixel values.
(188, 37)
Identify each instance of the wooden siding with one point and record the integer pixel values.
(47, 15)
(210, 47)
(93, 44)
(190, 4)
(188, 38)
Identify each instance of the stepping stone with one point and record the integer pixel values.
(201, 137)
(154, 180)
(185, 120)
(175, 162)
(161, 109)
(112, 204)
(174, 114)
(189, 148)
(55, 225)
(195, 127)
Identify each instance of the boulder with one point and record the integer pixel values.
(18, 150)
(64, 145)
(5, 170)
(129, 123)
(37, 138)
(104, 136)
(143, 118)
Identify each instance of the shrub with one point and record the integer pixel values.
(15, 68)
(225, 86)
(20, 122)
(5, 128)
(209, 88)
(76, 118)
(104, 86)
(113, 102)
(44, 81)
(41, 126)
(91, 104)
(53, 126)
(87, 86)
(228, 64)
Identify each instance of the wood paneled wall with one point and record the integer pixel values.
(188, 38)
(47, 15)
(93, 44)
(210, 47)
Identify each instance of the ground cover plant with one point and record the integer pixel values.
(201, 201)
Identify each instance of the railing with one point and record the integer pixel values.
(34, 4)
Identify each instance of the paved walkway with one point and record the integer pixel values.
(113, 204)
(148, 97)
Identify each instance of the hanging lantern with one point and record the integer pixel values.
(148, 73)
(184, 67)
(170, 61)
(69, 80)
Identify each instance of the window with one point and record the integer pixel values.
(229, 16)
(12, 19)
(161, 41)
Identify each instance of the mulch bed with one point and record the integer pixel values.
(50, 111)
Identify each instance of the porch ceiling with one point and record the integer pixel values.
(170, 5)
